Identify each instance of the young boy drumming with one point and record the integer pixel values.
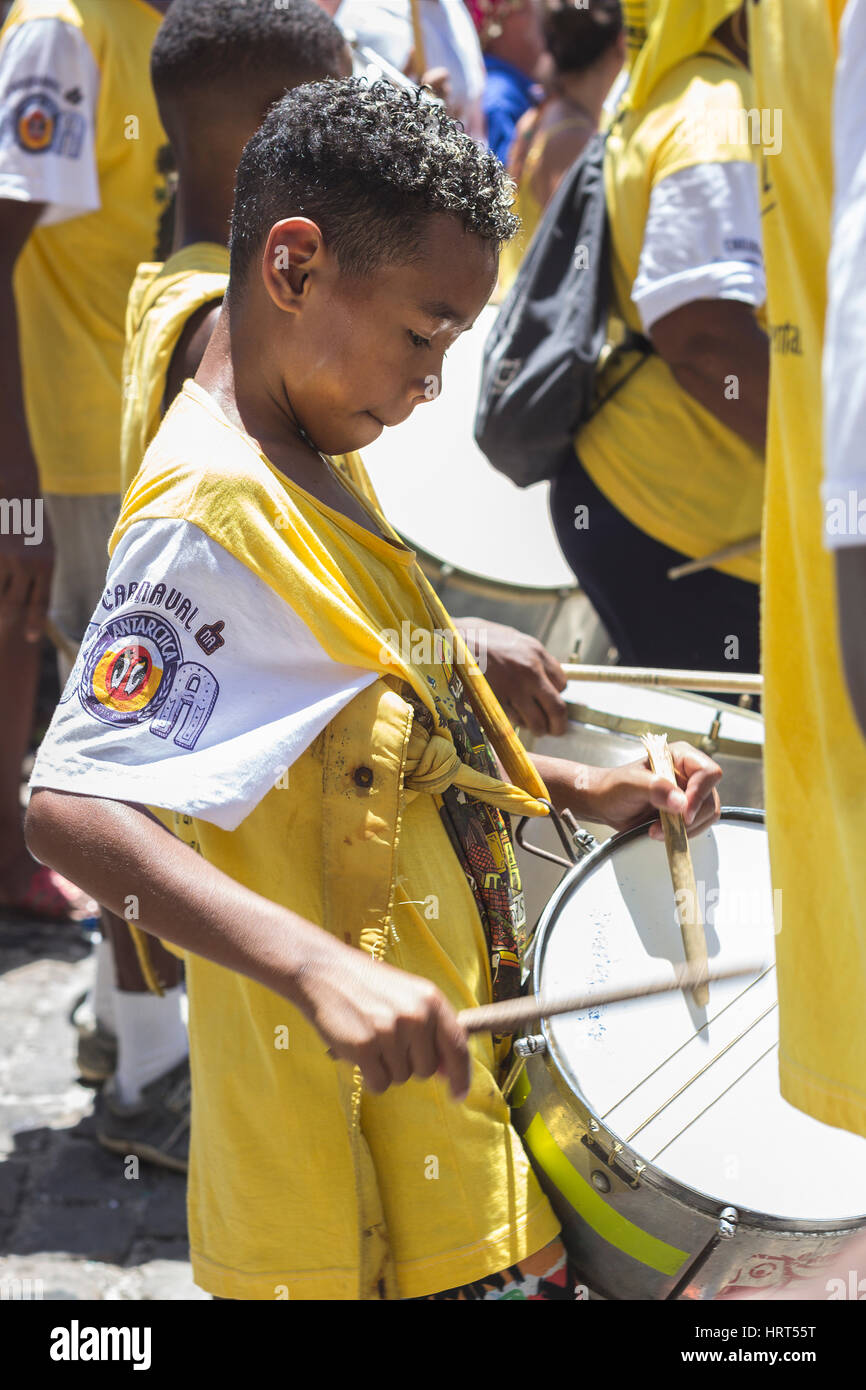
(340, 878)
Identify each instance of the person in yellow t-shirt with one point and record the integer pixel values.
(341, 877)
(815, 752)
(80, 193)
(587, 47)
(670, 464)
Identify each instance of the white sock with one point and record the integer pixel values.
(97, 1006)
(102, 995)
(151, 1039)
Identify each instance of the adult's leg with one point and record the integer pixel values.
(19, 664)
(706, 622)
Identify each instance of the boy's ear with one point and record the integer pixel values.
(293, 249)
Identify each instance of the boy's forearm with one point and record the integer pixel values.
(572, 786)
(115, 851)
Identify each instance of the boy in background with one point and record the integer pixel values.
(216, 69)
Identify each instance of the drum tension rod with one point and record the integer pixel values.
(726, 1230)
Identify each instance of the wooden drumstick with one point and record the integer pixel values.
(714, 681)
(680, 864)
(705, 562)
(512, 1014)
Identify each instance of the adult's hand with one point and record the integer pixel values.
(525, 678)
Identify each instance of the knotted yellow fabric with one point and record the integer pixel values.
(432, 765)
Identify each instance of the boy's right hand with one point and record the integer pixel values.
(391, 1024)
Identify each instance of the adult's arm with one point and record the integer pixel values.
(25, 569)
(719, 354)
(699, 281)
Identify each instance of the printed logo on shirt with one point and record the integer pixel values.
(134, 671)
(35, 122)
(744, 247)
(210, 638)
(38, 125)
(130, 668)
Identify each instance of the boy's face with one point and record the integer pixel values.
(358, 354)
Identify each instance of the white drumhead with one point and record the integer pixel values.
(439, 491)
(666, 709)
(695, 1092)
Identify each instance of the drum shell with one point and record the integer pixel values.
(641, 1230)
(764, 1254)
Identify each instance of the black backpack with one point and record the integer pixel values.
(540, 359)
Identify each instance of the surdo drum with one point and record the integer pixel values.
(656, 1127)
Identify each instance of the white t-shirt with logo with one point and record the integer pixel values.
(49, 90)
(196, 686)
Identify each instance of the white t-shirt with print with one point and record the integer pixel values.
(196, 686)
(49, 89)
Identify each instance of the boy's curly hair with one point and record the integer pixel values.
(368, 164)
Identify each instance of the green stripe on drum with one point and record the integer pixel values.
(608, 1223)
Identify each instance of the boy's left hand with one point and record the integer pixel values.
(630, 795)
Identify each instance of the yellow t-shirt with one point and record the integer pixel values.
(815, 755)
(274, 1200)
(72, 279)
(163, 298)
(664, 461)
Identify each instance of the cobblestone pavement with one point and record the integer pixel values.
(71, 1223)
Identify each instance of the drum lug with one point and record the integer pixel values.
(583, 841)
(530, 1046)
(728, 1220)
(710, 742)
